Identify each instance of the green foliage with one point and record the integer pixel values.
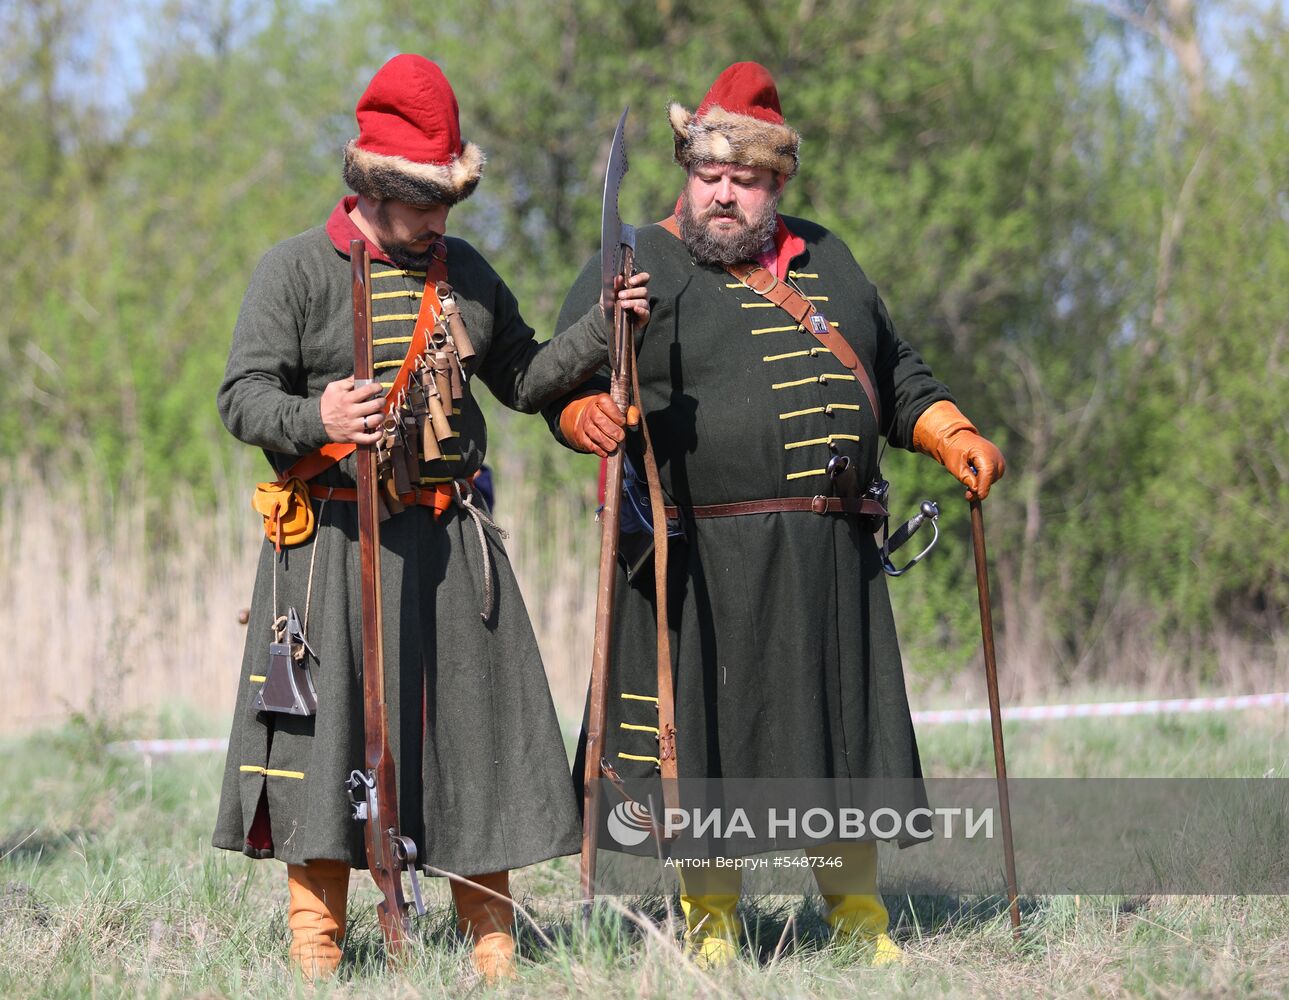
(118, 335)
(1084, 235)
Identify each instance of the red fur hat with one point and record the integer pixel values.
(409, 145)
(739, 121)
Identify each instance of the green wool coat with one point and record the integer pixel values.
(482, 773)
(786, 662)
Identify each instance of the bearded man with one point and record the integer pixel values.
(786, 664)
(473, 730)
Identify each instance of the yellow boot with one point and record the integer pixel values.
(854, 908)
(488, 915)
(319, 893)
(709, 900)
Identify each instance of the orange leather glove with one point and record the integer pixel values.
(594, 423)
(952, 440)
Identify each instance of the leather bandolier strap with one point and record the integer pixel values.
(427, 318)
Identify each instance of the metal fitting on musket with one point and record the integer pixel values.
(456, 326)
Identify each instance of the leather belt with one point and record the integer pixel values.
(813, 505)
(439, 497)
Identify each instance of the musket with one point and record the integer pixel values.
(995, 711)
(373, 792)
(617, 261)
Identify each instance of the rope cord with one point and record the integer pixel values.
(480, 518)
(279, 621)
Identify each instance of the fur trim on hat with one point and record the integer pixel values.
(396, 178)
(722, 136)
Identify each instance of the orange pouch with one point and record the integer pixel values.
(287, 511)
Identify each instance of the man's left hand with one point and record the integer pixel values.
(633, 295)
(952, 440)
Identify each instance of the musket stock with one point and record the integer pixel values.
(373, 792)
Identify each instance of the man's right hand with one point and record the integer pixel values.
(594, 423)
(353, 414)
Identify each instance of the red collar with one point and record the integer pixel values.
(787, 245)
(341, 229)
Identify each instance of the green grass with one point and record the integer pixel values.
(108, 887)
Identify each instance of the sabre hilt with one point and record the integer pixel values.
(927, 512)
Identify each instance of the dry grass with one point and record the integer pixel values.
(97, 621)
(100, 619)
(554, 548)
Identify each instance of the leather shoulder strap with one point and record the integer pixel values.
(796, 305)
(426, 320)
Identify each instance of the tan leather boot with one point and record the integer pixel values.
(319, 893)
(490, 920)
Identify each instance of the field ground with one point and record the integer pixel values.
(109, 888)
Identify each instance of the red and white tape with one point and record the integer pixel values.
(1087, 710)
(1105, 709)
(150, 748)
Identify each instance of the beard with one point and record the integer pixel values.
(401, 252)
(743, 244)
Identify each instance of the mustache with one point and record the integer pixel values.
(402, 254)
(724, 212)
(724, 246)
